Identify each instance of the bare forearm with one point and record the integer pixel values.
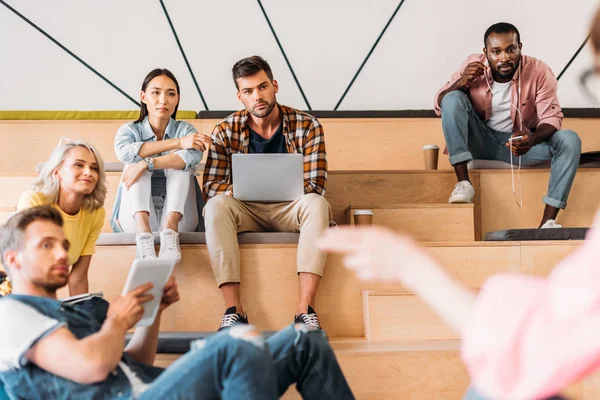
(105, 348)
(142, 346)
(543, 133)
(78, 286)
(78, 278)
(160, 146)
(448, 298)
(169, 161)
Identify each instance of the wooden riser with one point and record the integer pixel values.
(424, 222)
(499, 210)
(270, 285)
(392, 315)
(352, 143)
(494, 205)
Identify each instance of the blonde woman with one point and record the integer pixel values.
(73, 181)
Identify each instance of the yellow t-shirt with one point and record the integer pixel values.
(81, 229)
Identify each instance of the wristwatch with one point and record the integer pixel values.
(150, 163)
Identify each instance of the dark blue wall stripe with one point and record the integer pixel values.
(284, 55)
(368, 55)
(56, 42)
(183, 53)
(574, 57)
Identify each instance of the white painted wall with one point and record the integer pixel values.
(325, 41)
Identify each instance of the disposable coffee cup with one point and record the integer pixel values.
(363, 217)
(430, 153)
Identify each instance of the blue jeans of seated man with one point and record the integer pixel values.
(472, 394)
(239, 364)
(468, 137)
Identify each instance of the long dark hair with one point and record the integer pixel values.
(153, 74)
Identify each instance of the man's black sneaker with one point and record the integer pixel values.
(309, 319)
(231, 318)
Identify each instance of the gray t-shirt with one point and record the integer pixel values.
(23, 326)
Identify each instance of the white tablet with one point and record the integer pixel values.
(154, 270)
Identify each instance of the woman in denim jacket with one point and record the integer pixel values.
(158, 189)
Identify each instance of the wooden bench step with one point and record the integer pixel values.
(424, 222)
(270, 284)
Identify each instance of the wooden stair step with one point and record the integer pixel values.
(424, 222)
(270, 284)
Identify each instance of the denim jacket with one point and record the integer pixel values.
(128, 141)
(83, 319)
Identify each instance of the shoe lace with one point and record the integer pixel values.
(170, 241)
(229, 320)
(310, 320)
(462, 186)
(147, 245)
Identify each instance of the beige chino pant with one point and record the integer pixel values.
(225, 217)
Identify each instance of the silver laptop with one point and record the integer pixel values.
(267, 178)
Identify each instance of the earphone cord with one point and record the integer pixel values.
(512, 169)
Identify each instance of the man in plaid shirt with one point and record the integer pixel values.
(264, 126)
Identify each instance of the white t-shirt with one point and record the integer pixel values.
(23, 326)
(500, 119)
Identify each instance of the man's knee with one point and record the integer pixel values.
(217, 207)
(569, 141)
(455, 101)
(315, 205)
(237, 340)
(311, 337)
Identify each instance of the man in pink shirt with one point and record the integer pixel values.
(502, 105)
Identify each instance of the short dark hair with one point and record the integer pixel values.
(501, 27)
(249, 66)
(12, 233)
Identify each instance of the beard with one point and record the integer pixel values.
(50, 285)
(508, 73)
(265, 112)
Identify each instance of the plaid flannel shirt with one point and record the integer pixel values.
(303, 134)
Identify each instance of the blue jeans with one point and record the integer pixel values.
(472, 394)
(468, 137)
(239, 364)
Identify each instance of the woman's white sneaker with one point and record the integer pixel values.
(169, 245)
(144, 245)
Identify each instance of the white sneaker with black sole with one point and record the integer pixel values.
(144, 245)
(463, 193)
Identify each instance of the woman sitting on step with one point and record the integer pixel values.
(73, 181)
(158, 188)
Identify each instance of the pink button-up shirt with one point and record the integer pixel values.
(538, 101)
(529, 337)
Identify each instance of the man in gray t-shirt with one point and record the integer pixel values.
(57, 350)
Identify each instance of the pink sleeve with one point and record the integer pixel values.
(530, 337)
(546, 100)
(455, 76)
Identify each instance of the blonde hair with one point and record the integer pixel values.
(49, 185)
